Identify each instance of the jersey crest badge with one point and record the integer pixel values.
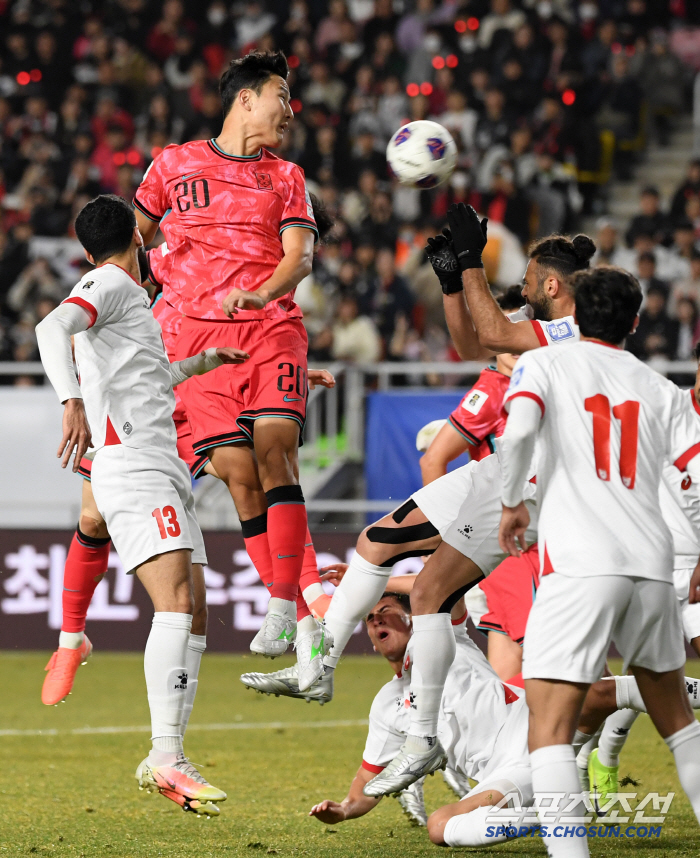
(475, 402)
(128, 428)
(560, 330)
(264, 181)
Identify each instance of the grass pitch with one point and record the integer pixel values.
(72, 793)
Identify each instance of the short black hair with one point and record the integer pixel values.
(607, 303)
(562, 254)
(324, 222)
(402, 598)
(511, 299)
(105, 226)
(250, 72)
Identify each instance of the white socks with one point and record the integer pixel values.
(685, 746)
(361, 588)
(432, 650)
(165, 666)
(71, 640)
(306, 626)
(282, 607)
(627, 693)
(554, 771)
(469, 829)
(615, 732)
(195, 650)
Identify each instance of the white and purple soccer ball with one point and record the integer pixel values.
(422, 154)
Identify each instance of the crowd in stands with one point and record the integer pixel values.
(546, 99)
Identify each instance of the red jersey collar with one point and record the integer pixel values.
(215, 148)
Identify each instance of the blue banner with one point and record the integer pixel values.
(393, 421)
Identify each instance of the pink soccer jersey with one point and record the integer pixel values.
(223, 217)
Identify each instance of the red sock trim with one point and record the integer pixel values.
(258, 549)
(84, 564)
(286, 532)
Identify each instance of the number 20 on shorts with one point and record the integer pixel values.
(168, 525)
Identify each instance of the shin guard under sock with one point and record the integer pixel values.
(86, 563)
(286, 534)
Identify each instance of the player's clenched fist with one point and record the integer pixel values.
(76, 433)
(228, 355)
(240, 299)
(514, 522)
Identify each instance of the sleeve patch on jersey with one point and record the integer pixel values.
(90, 286)
(475, 401)
(559, 330)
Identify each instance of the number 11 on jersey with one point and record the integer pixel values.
(628, 415)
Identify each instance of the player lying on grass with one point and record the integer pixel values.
(123, 409)
(483, 724)
(601, 424)
(240, 230)
(88, 556)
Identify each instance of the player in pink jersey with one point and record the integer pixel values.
(241, 233)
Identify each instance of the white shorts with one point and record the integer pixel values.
(145, 498)
(465, 506)
(440, 500)
(573, 621)
(690, 614)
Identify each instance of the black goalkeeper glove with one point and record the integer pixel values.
(441, 256)
(468, 235)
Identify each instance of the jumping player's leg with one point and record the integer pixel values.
(406, 532)
(197, 642)
(86, 565)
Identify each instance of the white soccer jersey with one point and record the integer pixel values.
(608, 424)
(124, 371)
(680, 506)
(474, 707)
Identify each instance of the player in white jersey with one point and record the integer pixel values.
(604, 424)
(457, 514)
(123, 408)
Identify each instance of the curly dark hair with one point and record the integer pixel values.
(562, 254)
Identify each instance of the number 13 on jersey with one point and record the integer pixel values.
(627, 413)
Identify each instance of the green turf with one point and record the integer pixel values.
(74, 794)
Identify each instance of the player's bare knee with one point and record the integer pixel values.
(93, 527)
(373, 552)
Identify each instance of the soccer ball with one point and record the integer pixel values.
(422, 154)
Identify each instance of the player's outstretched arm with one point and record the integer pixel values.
(298, 246)
(206, 361)
(493, 329)
(53, 336)
(517, 447)
(354, 805)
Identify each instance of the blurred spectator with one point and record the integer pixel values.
(689, 188)
(392, 297)
(646, 267)
(662, 78)
(355, 338)
(502, 17)
(656, 333)
(687, 328)
(609, 251)
(690, 287)
(650, 219)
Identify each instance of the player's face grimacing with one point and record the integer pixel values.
(271, 112)
(389, 629)
(535, 292)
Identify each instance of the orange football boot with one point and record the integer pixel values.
(62, 668)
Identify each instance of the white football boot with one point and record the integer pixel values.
(311, 648)
(278, 630)
(405, 769)
(285, 683)
(413, 803)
